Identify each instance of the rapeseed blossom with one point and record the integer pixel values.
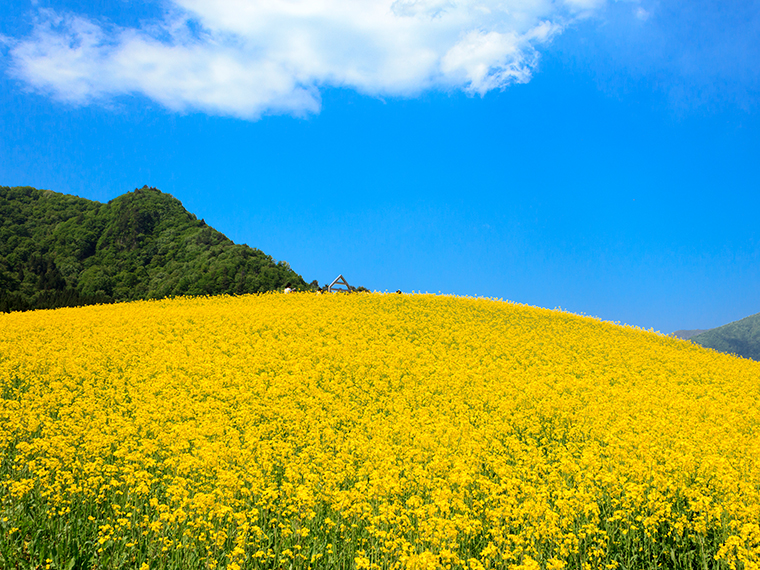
(370, 431)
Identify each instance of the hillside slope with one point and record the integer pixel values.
(60, 250)
(741, 337)
(368, 432)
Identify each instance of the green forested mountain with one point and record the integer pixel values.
(740, 337)
(60, 250)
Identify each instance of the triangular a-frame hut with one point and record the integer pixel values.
(338, 285)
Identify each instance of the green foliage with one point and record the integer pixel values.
(740, 337)
(58, 250)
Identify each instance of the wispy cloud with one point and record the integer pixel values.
(246, 58)
(700, 53)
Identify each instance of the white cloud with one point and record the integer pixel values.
(250, 57)
(642, 14)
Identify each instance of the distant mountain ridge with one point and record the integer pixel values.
(687, 334)
(740, 337)
(61, 250)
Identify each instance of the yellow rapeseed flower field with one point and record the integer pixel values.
(370, 431)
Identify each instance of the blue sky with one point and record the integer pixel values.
(602, 157)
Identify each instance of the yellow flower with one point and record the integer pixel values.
(408, 430)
